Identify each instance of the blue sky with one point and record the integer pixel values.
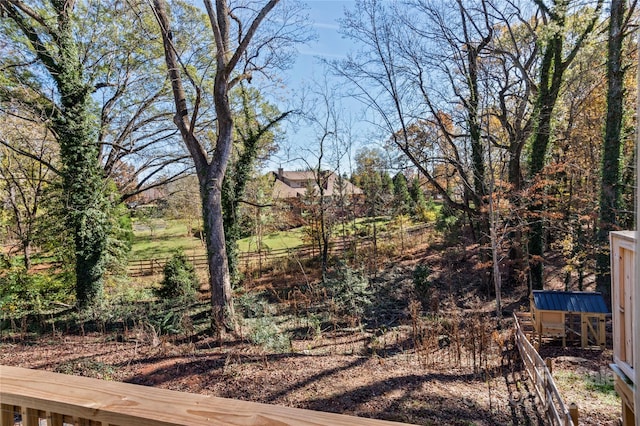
(329, 44)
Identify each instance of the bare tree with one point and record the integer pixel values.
(513, 60)
(241, 50)
(24, 180)
(137, 139)
(418, 70)
(323, 117)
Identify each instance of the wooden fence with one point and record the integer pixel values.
(249, 260)
(255, 260)
(59, 400)
(546, 391)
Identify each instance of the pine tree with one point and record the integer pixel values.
(403, 204)
(419, 202)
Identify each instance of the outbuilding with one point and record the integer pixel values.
(570, 315)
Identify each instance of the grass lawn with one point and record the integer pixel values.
(274, 241)
(162, 237)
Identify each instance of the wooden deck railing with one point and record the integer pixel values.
(70, 400)
(546, 391)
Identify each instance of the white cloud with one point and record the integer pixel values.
(316, 53)
(326, 26)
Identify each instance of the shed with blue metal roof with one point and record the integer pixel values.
(570, 314)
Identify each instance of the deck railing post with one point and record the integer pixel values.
(6, 415)
(30, 417)
(55, 419)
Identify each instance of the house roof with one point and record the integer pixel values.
(282, 184)
(569, 301)
(282, 190)
(298, 176)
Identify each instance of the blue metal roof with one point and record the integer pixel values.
(569, 301)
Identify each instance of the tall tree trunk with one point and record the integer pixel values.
(82, 175)
(211, 169)
(325, 236)
(220, 280)
(473, 50)
(26, 253)
(55, 47)
(238, 176)
(223, 316)
(84, 197)
(477, 153)
(515, 170)
(231, 194)
(610, 192)
(210, 175)
(554, 64)
(550, 80)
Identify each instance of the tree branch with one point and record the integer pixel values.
(30, 155)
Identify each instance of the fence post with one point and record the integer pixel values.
(549, 363)
(573, 412)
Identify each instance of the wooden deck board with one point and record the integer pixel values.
(125, 404)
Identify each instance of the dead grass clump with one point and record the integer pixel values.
(454, 338)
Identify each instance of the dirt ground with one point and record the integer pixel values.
(334, 373)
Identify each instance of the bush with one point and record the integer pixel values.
(252, 305)
(426, 214)
(180, 280)
(87, 367)
(447, 220)
(421, 282)
(119, 241)
(268, 335)
(22, 292)
(350, 292)
(167, 323)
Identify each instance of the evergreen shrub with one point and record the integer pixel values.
(350, 292)
(180, 280)
(421, 283)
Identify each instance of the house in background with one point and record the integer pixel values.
(155, 197)
(294, 185)
(292, 188)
